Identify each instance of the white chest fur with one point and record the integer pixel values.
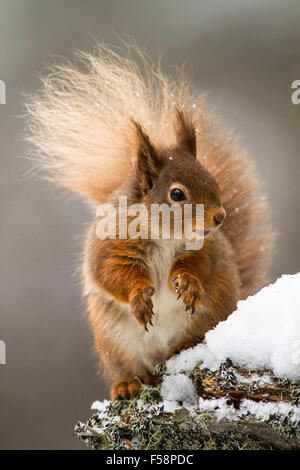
(169, 318)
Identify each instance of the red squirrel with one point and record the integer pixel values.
(106, 127)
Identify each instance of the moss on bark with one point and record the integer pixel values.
(143, 423)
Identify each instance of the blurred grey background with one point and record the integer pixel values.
(245, 54)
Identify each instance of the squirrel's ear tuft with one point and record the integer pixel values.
(148, 164)
(185, 133)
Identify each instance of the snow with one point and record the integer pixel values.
(260, 410)
(101, 407)
(188, 359)
(264, 331)
(179, 388)
(248, 409)
(170, 406)
(254, 379)
(219, 407)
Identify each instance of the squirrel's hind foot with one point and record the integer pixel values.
(130, 388)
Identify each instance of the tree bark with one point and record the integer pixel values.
(144, 425)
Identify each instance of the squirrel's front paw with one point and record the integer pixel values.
(142, 305)
(189, 288)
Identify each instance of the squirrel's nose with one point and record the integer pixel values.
(220, 216)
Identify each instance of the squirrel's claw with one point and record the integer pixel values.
(145, 326)
(189, 288)
(190, 307)
(149, 321)
(181, 292)
(142, 306)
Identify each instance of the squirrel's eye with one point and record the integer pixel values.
(177, 194)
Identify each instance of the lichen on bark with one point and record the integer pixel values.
(144, 424)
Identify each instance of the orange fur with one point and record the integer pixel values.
(104, 127)
(180, 347)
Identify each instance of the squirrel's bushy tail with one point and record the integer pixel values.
(81, 127)
(81, 119)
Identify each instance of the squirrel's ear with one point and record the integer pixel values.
(148, 164)
(185, 133)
